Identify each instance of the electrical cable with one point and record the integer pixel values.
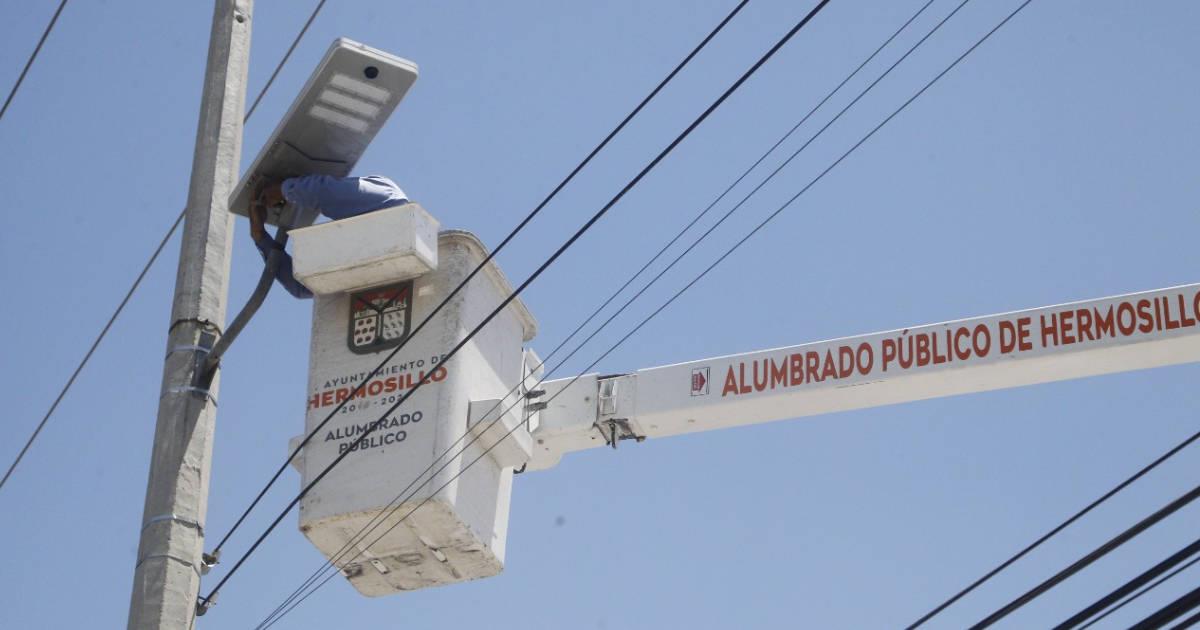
(1058, 528)
(702, 274)
(29, 63)
(275, 617)
(1088, 559)
(145, 268)
(487, 259)
(1146, 589)
(1130, 586)
(92, 349)
(1188, 623)
(371, 525)
(541, 269)
(1171, 612)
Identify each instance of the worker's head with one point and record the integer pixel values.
(269, 192)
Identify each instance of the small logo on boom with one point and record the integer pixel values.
(380, 318)
(700, 381)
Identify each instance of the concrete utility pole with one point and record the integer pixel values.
(167, 578)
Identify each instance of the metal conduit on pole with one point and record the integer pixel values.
(274, 258)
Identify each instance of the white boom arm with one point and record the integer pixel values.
(1054, 343)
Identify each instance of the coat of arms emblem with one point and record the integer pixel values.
(380, 318)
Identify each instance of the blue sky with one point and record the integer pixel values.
(1056, 163)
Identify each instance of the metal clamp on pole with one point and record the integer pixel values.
(208, 561)
(203, 604)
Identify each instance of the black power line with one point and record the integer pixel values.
(269, 621)
(1091, 557)
(285, 609)
(92, 349)
(29, 63)
(1058, 528)
(1130, 586)
(149, 263)
(1138, 594)
(1171, 612)
(378, 520)
(487, 259)
(287, 55)
(1189, 622)
(541, 269)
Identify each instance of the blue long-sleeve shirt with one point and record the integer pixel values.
(342, 197)
(336, 198)
(283, 273)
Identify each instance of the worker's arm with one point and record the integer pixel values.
(264, 243)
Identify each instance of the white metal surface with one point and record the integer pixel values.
(389, 245)
(345, 103)
(493, 422)
(460, 533)
(1054, 343)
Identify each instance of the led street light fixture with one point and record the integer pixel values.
(345, 103)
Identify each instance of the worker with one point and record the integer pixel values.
(335, 197)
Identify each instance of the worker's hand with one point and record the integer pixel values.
(268, 193)
(258, 219)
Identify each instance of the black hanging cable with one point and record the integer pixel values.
(1130, 586)
(371, 525)
(1088, 559)
(541, 269)
(29, 63)
(487, 259)
(149, 263)
(1176, 609)
(1146, 589)
(703, 273)
(1058, 528)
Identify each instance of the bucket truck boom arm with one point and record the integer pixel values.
(1053, 343)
